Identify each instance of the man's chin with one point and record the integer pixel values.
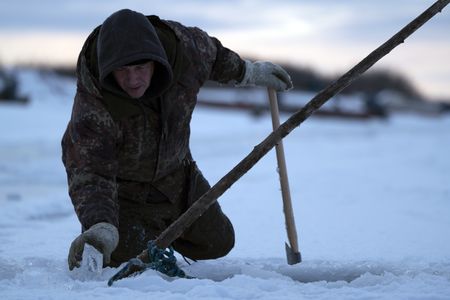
(135, 94)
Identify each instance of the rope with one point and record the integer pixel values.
(161, 260)
(164, 261)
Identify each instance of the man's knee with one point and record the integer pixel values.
(222, 243)
(207, 241)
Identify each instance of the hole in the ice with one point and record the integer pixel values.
(306, 272)
(332, 272)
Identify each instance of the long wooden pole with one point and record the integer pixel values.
(202, 204)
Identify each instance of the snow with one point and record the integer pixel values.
(371, 201)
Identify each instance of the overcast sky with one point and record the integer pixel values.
(327, 35)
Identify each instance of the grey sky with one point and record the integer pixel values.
(328, 35)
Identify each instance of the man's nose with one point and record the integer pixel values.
(132, 77)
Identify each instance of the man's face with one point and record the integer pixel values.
(135, 79)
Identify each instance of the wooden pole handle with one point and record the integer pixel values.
(282, 170)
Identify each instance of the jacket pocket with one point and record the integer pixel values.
(198, 185)
(155, 196)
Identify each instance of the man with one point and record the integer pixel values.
(126, 147)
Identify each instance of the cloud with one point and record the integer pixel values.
(329, 35)
(38, 47)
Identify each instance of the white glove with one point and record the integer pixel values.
(264, 73)
(103, 236)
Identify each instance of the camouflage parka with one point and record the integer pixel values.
(116, 147)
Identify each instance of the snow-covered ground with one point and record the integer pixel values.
(371, 201)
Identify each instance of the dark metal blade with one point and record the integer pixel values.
(133, 267)
(292, 257)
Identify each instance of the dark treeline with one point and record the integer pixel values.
(307, 79)
(370, 83)
(304, 78)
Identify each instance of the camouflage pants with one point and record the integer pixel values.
(210, 236)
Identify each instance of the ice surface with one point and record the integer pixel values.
(92, 259)
(371, 201)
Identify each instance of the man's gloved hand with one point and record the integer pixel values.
(103, 236)
(264, 73)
